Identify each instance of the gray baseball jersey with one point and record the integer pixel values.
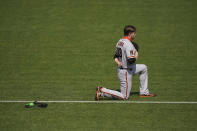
(127, 50)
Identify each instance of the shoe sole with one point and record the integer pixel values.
(152, 95)
(97, 93)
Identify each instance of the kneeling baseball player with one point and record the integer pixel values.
(125, 56)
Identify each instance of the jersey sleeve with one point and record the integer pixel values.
(130, 50)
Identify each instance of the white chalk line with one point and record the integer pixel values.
(106, 102)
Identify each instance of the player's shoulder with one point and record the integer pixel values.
(127, 43)
(123, 42)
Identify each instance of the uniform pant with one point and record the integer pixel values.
(125, 77)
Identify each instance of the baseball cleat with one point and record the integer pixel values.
(98, 93)
(148, 95)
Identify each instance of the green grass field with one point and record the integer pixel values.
(61, 50)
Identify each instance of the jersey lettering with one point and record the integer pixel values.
(131, 52)
(120, 44)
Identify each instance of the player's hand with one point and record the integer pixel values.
(119, 64)
(136, 54)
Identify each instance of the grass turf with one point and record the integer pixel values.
(100, 117)
(61, 50)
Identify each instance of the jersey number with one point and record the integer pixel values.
(118, 52)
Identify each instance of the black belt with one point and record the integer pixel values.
(125, 68)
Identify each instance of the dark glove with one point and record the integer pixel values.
(36, 104)
(39, 104)
(136, 46)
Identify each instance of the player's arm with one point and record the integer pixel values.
(118, 53)
(118, 62)
(136, 54)
(136, 48)
(130, 51)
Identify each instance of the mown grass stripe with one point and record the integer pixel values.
(110, 102)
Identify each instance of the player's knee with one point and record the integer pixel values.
(145, 67)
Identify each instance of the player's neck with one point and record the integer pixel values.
(128, 38)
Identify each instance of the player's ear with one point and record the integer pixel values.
(130, 34)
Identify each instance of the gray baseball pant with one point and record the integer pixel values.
(125, 77)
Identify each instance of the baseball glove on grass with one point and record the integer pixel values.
(36, 104)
